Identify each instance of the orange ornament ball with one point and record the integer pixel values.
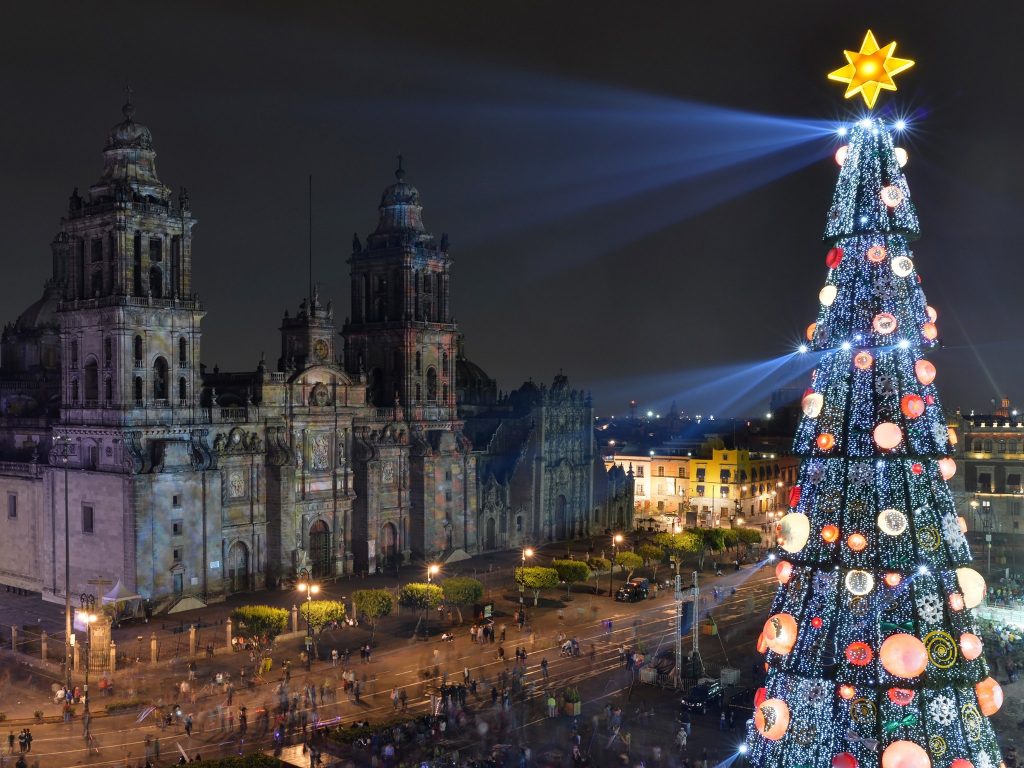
(932, 314)
(830, 534)
(784, 571)
(961, 763)
(947, 467)
(956, 602)
(772, 719)
(893, 579)
(810, 331)
(888, 435)
(844, 760)
(780, 633)
(903, 655)
(826, 441)
(970, 646)
(862, 361)
(847, 692)
(972, 584)
(877, 254)
(925, 371)
(990, 696)
(905, 754)
(900, 696)
(930, 331)
(859, 654)
(857, 542)
(762, 644)
(912, 406)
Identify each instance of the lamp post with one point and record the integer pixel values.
(88, 603)
(616, 540)
(527, 552)
(63, 452)
(432, 570)
(310, 589)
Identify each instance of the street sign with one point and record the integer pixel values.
(309, 641)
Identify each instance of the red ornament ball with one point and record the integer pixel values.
(844, 760)
(900, 696)
(961, 763)
(912, 406)
(833, 257)
(916, 468)
(794, 496)
(930, 399)
(760, 697)
(847, 692)
(859, 654)
(816, 622)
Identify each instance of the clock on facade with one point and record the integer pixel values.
(321, 349)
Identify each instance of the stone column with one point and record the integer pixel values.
(192, 640)
(14, 637)
(228, 634)
(113, 657)
(152, 649)
(75, 657)
(42, 645)
(295, 618)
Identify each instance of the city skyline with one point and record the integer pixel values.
(613, 266)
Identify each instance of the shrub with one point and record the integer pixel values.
(372, 604)
(462, 590)
(120, 706)
(261, 620)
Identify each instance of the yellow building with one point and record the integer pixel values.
(740, 487)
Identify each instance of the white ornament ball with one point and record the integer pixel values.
(892, 195)
(827, 295)
(972, 584)
(841, 154)
(859, 582)
(892, 522)
(901, 156)
(794, 531)
(902, 266)
(812, 404)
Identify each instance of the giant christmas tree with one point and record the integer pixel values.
(872, 649)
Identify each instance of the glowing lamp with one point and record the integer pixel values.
(810, 331)
(827, 295)
(760, 695)
(859, 582)
(841, 154)
(847, 692)
(970, 646)
(844, 760)
(893, 579)
(784, 571)
(947, 467)
(857, 542)
(901, 156)
(892, 195)
(951, 435)
(833, 257)
(892, 522)
(956, 602)
(912, 406)
(812, 404)
(780, 633)
(990, 696)
(859, 654)
(830, 534)
(961, 763)
(972, 584)
(826, 441)
(888, 435)
(794, 530)
(876, 254)
(903, 655)
(884, 323)
(961, 524)
(925, 372)
(772, 719)
(905, 754)
(816, 622)
(900, 696)
(863, 360)
(762, 644)
(902, 266)
(932, 314)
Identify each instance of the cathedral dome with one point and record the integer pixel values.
(400, 209)
(40, 314)
(128, 134)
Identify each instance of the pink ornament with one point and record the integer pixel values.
(888, 435)
(905, 754)
(903, 655)
(844, 760)
(947, 467)
(961, 763)
(970, 646)
(990, 696)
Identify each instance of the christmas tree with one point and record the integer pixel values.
(872, 648)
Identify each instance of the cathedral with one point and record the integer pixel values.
(353, 453)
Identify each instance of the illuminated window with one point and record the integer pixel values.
(700, 490)
(681, 471)
(661, 471)
(640, 470)
(700, 474)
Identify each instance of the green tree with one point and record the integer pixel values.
(537, 578)
(570, 571)
(260, 621)
(462, 590)
(652, 555)
(318, 614)
(373, 604)
(748, 537)
(710, 540)
(598, 565)
(629, 562)
(421, 597)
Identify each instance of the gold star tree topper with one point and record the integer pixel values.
(870, 70)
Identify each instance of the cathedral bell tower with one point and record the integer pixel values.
(130, 324)
(401, 333)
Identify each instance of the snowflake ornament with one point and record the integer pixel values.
(884, 287)
(885, 385)
(951, 531)
(816, 474)
(816, 692)
(940, 434)
(982, 760)
(862, 475)
(942, 710)
(929, 608)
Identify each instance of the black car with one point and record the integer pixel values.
(707, 694)
(630, 593)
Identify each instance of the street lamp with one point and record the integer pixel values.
(616, 540)
(527, 552)
(88, 603)
(310, 589)
(432, 570)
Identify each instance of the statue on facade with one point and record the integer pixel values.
(219, 442)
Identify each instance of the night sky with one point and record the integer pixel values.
(634, 192)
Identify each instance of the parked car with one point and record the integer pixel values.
(705, 695)
(633, 590)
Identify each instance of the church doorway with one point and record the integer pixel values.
(561, 527)
(389, 544)
(238, 567)
(320, 548)
(489, 538)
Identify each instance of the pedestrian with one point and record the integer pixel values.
(544, 668)
(404, 698)
(28, 739)
(503, 633)
(552, 706)
(334, 657)
(10, 743)
(188, 725)
(721, 720)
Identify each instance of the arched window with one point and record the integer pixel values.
(156, 283)
(182, 390)
(74, 353)
(160, 379)
(138, 391)
(92, 381)
(988, 446)
(1011, 447)
(431, 384)
(182, 352)
(97, 282)
(138, 351)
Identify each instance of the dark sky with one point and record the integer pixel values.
(603, 218)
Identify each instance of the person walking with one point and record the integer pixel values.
(544, 668)
(10, 743)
